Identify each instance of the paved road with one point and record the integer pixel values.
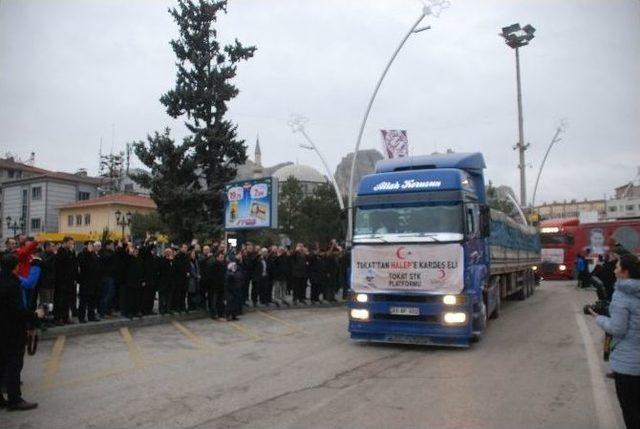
(298, 368)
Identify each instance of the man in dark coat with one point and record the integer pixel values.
(15, 320)
(134, 284)
(317, 274)
(106, 260)
(234, 280)
(89, 279)
(150, 274)
(299, 274)
(182, 269)
(66, 276)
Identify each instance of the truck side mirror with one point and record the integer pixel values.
(485, 220)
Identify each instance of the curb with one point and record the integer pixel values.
(111, 325)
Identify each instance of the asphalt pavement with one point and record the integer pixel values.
(538, 366)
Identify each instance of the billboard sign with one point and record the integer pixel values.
(251, 204)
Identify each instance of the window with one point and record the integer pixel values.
(36, 225)
(128, 187)
(82, 195)
(36, 193)
(87, 219)
(613, 208)
(10, 174)
(629, 207)
(25, 203)
(70, 220)
(79, 220)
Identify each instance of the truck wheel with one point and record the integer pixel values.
(521, 295)
(498, 307)
(481, 320)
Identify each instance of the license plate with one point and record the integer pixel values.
(404, 311)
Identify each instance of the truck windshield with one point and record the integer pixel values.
(556, 239)
(423, 221)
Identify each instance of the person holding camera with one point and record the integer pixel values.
(16, 320)
(623, 324)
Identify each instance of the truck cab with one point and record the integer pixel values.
(420, 262)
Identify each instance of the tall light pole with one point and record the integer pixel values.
(556, 138)
(516, 37)
(297, 126)
(430, 7)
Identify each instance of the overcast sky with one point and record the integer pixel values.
(75, 72)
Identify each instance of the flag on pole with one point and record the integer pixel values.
(395, 143)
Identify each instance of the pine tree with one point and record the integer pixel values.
(203, 88)
(173, 183)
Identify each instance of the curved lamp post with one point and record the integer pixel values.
(556, 138)
(431, 7)
(297, 126)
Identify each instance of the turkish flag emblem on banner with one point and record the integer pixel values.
(395, 143)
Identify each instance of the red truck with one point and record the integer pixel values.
(563, 239)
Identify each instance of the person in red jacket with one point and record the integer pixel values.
(25, 253)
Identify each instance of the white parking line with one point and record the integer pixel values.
(601, 398)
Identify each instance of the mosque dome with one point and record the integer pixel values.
(303, 173)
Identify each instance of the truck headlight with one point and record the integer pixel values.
(449, 299)
(562, 267)
(455, 318)
(534, 268)
(359, 314)
(362, 297)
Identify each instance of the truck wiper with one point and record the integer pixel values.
(375, 236)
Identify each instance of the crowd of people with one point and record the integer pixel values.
(54, 283)
(102, 280)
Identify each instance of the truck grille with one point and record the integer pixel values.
(404, 318)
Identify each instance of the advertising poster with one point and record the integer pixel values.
(251, 204)
(425, 268)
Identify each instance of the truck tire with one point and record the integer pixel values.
(482, 320)
(521, 295)
(498, 308)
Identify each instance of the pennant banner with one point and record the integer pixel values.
(395, 143)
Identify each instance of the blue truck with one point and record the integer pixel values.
(431, 262)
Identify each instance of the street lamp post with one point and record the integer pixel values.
(16, 225)
(297, 126)
(123, 220)
(516, 37)
(556, 138)
(431, 7)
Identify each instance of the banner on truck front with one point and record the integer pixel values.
(434, 268)
(395, 143)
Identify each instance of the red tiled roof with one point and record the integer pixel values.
(9, 164)
(123, 199)
(42, 173)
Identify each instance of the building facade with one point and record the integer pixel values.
(571, 208)
(92, 217)
(30, 205)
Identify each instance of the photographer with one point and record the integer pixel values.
(15, 320)
(624, 326)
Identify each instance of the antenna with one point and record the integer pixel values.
(128, 158)
(100, 158)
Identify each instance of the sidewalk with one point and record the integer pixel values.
(108, 325)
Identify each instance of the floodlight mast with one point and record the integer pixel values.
(516, 37)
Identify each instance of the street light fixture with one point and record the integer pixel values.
(430, 7)
(516, 37)
(297, 126)
(17, 225)
(123, 220)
